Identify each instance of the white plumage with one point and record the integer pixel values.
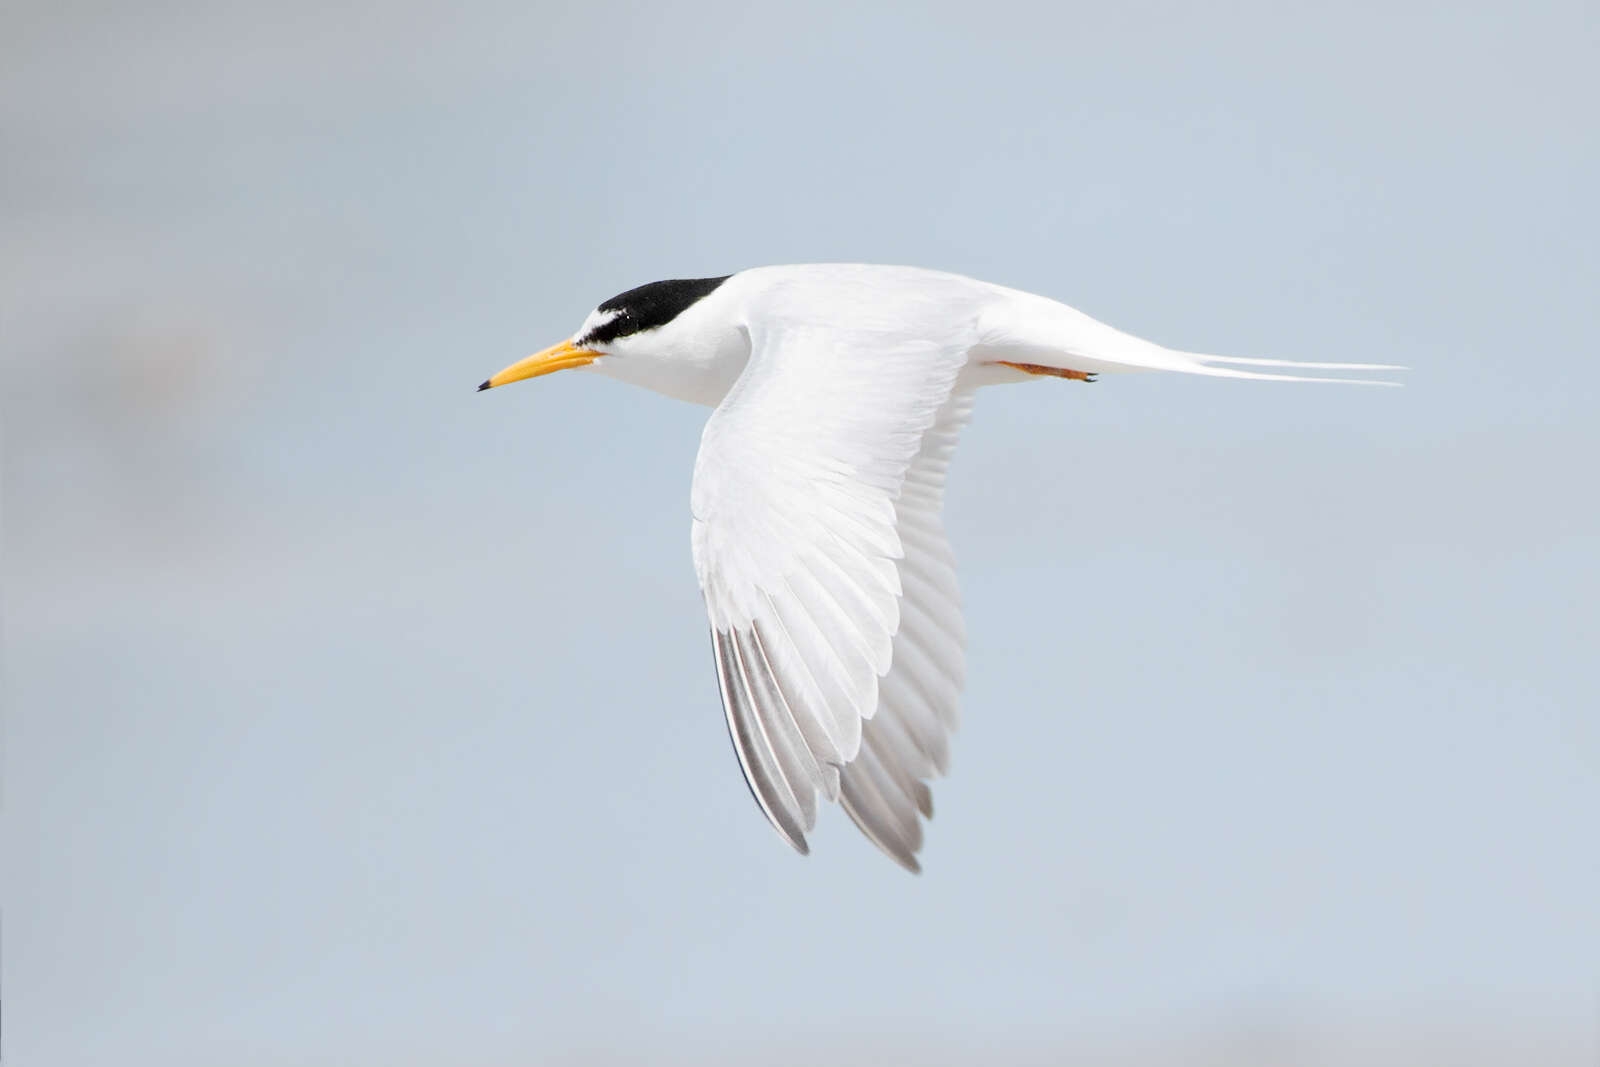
(840, 391)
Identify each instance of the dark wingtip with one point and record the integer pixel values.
(484, 386)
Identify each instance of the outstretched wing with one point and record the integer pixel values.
(919, 700)
(812, 544)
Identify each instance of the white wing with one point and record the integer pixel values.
(907, 741)
(818, 548)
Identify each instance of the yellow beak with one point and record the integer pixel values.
(552, 359)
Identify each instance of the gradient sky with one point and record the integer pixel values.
(354, 718)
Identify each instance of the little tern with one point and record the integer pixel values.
(840, 391)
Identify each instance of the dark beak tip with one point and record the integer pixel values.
(484, 386)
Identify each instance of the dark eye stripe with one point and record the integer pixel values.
(650, 306)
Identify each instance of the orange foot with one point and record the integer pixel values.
(1053, 372)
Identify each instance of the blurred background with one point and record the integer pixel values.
(355, 718)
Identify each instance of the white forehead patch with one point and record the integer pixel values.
(596, 319)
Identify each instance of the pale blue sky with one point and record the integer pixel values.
(353, 717)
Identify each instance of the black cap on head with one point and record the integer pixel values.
(650, 306)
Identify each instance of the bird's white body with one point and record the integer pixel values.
(840, 391)
(700, 354)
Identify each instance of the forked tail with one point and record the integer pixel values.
(1037, 335)
(1201, 364)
